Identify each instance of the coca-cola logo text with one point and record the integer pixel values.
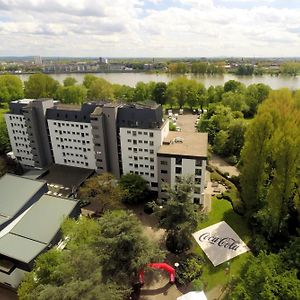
(226, 242)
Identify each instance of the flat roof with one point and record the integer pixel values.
(48, 213)
(15, 193)
(36, 229)
(185, 144)
(20, 248)
(63, 179)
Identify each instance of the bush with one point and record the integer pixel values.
(232, 160)
(177, 243)
(190, 268)
(197, 285)
(148, 208)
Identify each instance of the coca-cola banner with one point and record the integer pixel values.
(220, 243)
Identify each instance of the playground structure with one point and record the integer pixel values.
(162, 266)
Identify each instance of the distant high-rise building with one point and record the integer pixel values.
(38, 60)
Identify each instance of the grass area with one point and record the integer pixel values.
(232, 194)
(214, 276)
(3, 110)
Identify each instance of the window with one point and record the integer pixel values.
(197, 200)
(198, 172)
(151, 151)
(152, 175)
(197, 190)
(198, 180)
(164, 172)
(134, 133)
(134, 142)
(140, 132)
(163, 162)
(151, 134)
(136, 166)
(178, 161)
(128, 131)
(151, 167)
(154, 184)
(135, 150)
(178, 170)
(151, 143)
(129, 140)
(198, 163)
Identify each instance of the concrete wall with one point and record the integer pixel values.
(13, 279)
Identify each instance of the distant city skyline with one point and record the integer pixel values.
(152, 28)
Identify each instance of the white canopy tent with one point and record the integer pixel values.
(193, 296)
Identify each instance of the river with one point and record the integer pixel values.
(275, 82)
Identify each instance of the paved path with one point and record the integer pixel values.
(6, 294)
(223, 166)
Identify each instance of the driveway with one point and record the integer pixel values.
(223, 166)
(187, 122)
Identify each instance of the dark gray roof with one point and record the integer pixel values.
(44, 218)
(15, 193)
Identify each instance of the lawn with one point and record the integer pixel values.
(3, 110)
(213, 276)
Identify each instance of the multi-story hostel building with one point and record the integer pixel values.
(106, 137)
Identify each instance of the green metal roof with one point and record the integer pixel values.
(15, 193)
(44, 218)
(20, 248)
(35, 230)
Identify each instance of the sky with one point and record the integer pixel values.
(151, 28)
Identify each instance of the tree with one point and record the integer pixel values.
(171, 94)
(192, 93)
(271, 160)
(100, 89)
(103, 190)
(74, 273)
(255, 94)
(134, 187)
(267, 277)
(11, 88)
(236, 101)
(178, 215)
(69, 81)
(40, 86)
(72, 94)
(234, 86)
(122, 248)
(123, 92)
(88, 80)
(4, 138)
(181, 86)
(159, 94)
(141, 92)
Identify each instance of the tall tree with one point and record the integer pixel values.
(4, 138)
(11, 88)
(122, 248)
(159, 94)
(40, 86)
(134, 187)
(100, 89)
(271, 161)
(103, 190)
(178, 215)
(69, 81)
(72, 94)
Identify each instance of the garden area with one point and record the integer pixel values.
(222, 274)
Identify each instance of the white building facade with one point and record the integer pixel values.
(139, 151)
(72, 143)
(19, 139)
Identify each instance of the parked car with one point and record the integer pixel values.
(181, 111)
